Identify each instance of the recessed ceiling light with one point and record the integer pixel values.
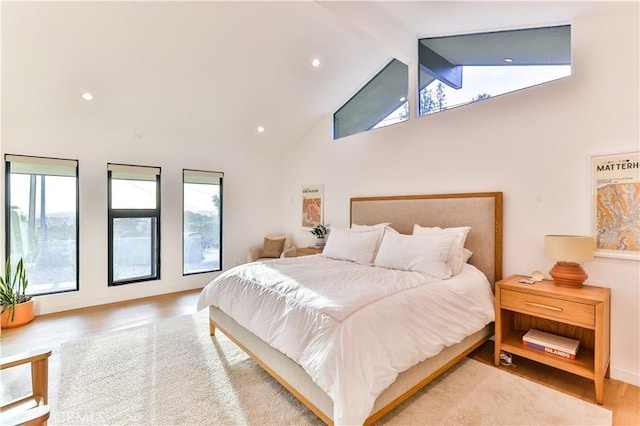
(87, 96)
(509, 60)
(260, 129)
(315, 62)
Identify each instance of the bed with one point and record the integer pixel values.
(333, 386)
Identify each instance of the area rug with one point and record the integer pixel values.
(173, 373)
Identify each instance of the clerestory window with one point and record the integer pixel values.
(457, 70)
(381, 102)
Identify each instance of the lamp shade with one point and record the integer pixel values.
(569, 251)
(569, 248)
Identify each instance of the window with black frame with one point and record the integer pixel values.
(202, 221)
(134, 223)
(42, 221)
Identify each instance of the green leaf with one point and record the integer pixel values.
(13, 289)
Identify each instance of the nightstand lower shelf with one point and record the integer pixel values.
(582, 365)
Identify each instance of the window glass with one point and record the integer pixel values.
(42, 221)
(381, 102)
(202, 223)
(397, 116)
(134, 224)
(133, 247)
(133, 194)
(458, 70)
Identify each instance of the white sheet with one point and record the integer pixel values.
(353, 328)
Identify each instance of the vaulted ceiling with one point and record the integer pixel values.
(215, 71)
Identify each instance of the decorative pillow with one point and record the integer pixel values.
(272, 247)
(356, 227)
(355, 246)
(382, 228)
(456, 258)
(419, 253)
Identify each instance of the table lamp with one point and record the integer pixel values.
(569, 251)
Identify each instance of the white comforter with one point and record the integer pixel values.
(353, 328)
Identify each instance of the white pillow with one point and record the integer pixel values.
(356, 227)
(456, 257)
(420, 253)
(381, 227)
(355, 246)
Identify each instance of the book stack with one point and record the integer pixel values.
(551, 343)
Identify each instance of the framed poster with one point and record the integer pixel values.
(311, 206)
(615, 183)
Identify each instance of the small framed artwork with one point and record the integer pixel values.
(615, 183)
(311, 206)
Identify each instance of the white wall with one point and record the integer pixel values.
(250, 200)
(533, 145)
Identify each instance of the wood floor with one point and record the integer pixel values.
(52, 330)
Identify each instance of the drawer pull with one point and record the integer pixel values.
(540, 305)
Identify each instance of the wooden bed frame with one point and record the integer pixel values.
(481, 211)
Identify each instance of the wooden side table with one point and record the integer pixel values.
(306, 251)
(583, 314)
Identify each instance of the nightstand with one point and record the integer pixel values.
(583, 313)
(306, 251)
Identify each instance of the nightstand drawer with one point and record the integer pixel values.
(549, 307)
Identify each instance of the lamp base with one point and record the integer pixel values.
(568, 274)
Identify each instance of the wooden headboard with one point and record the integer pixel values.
(482, 211)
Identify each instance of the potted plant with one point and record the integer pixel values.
(320, 231)
(17, 306)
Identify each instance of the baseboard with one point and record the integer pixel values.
(73, 301)
(631, 377)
